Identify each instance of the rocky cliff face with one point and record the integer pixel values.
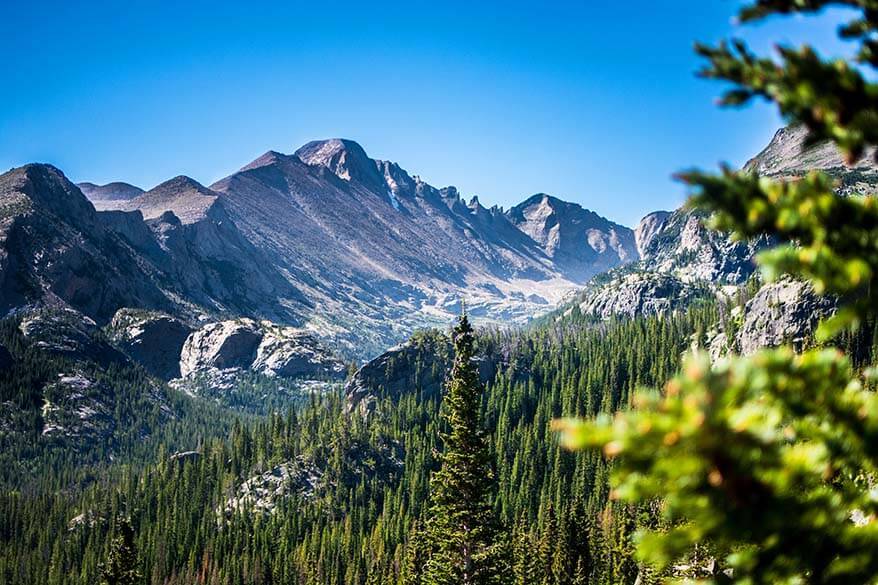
(639, 294)
(783, 312)
(152, 339)
(682, 245)
(286, 352)
(223, 345)
(245, 344)
(648, 227)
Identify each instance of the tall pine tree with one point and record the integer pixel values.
(461, 527)
(121, 565)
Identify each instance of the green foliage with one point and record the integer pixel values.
(830, 239)
(769, 461)
(462, 529)
(743, 459)
(121, 566)
(361, 522)
(833, 98)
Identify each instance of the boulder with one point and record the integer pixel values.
(221, 345)
(638, 294)
(263, 347)
(288, 352)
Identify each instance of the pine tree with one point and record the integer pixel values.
(462, 528)
(761, 460)
(121, 566)
(415, 557)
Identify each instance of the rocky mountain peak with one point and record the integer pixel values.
(115, 191)
(187, 198)
(542, 201)
(179, 184)
(580, 241)
(46, 186)
(789, 154)
(449, 192)
(648, 228)
(269, 158)
(345, 158)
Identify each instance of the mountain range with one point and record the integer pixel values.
(159, 334)
(355, 249)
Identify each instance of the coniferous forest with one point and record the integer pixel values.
(365, 520)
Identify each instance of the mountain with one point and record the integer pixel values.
(579, 241)
(116, 191)
(332, 241)
(355, 249)
(186, 198)
(682, 260)
(683, 246)
(55, 250)
(789, 155)
(363, 253)
(193, 239)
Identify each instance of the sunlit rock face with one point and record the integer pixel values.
(788, 156)
(783, 312)
(639, 294)
(264, 347)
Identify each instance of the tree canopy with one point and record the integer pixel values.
(769, 461)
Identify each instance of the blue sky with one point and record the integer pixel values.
(595, 102)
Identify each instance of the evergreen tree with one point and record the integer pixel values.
(462, 529)
(121, 566)
(768, 461)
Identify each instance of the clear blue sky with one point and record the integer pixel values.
(594, 102)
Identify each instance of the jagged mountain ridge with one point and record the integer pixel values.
(577, 240)
(57, 250)
(367, 253)
(681, 260)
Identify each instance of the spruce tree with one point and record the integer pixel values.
(121, 566)
(461, 526)
(768, 460)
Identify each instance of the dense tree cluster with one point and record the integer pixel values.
(363, 518)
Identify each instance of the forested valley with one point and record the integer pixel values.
(355, 483)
